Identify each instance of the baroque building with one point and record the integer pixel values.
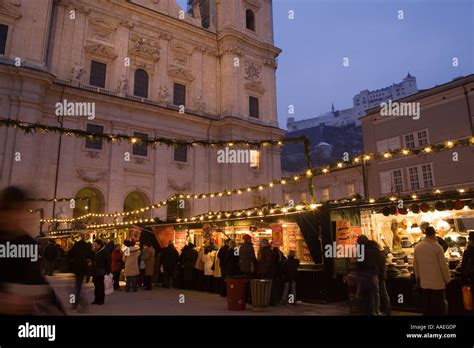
(151, 69)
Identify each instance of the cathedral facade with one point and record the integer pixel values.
(149, 69)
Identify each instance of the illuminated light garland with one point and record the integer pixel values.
(32, 128)
(459, 193)
(313, 172)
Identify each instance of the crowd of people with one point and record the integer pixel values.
(203, 269)
(430, 270)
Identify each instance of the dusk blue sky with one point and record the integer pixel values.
(380, 47)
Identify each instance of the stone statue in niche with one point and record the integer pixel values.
(163, 94)
(199, 103)
(197, 11)
(123, 86)
(77, 72)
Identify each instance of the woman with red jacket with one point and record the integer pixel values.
(117, 265)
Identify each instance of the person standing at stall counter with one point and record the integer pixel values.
(289, 271)
(432, 273)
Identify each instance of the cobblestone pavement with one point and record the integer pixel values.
(160, 301)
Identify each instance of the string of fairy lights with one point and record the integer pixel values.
(276, 210)
(177, 197)
(310, 173)
(264, 211)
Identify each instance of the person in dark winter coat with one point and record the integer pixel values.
(267, 267)
(79, 258)
(367, 274)
(467, 265)
(187, 260)
(383, 306)
(222, 255)
(247, 259)
(278, 258)
(289, 271)
(100, 267)
(169, 259)
(50, 257)
(232, 260)
(117, 265)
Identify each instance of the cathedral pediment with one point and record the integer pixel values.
(145, 47)
(181, 73)
(255, 87)
(253, 4)
(181, 55)
(101, 50)
(179, 186)
(102, 29)
(10, 9)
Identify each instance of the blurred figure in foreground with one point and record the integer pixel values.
(79, 260)
(23, 290)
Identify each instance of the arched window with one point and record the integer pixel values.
(135, 201)
(250, 20)
(140, 88)
(88, 200)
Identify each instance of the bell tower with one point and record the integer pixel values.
(247, 59)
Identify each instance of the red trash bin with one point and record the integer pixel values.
(236, 293)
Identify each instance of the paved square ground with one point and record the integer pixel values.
(160, 301)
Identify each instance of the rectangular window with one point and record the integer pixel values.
(304, 197)
(325, 194)
(181, 153)
(3, 37)
(179, 94)
(98, 72)
(409, 141)
(350, 190)
(140, 148)
(91, 143)
(413, 176)
(422, 138)
(388, 144)
(254, 159)
(427, 175)
(253, 107)
(397, 182)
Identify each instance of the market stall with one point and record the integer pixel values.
(398, 228)
(303, 232)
